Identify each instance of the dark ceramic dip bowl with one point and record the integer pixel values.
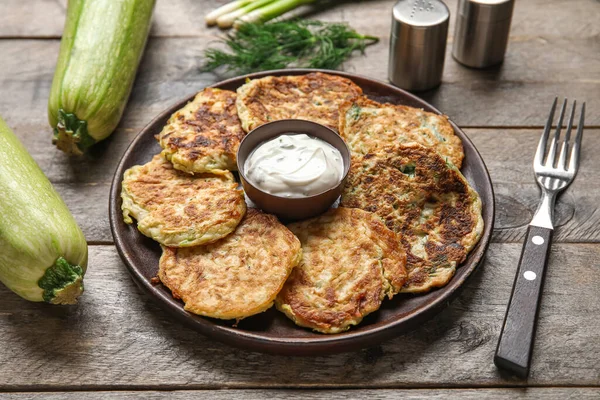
(291, 208)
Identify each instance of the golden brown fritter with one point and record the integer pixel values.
(350, 262)
(367, 125)
(204, 136)
(237, 276)
(314, 97)
(424, 199)
(177, 209)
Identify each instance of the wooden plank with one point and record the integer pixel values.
(508, 155)
(117, 338)
(88, 203)
(381, 394)
(507, 152)
(84, 183)
(27, 70)
(516, 94)
(172, 18)
(186, 17)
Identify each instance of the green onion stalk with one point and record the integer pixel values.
(270, 11)
(212, 17)
(251, 11)
(228, 20)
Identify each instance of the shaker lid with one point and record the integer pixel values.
(421, 13)
(486, 10)
(423, 19)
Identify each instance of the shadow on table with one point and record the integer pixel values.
(420, 355)
(118, 337)
(38, 334)
(473, 75)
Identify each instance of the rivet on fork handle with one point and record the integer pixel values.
(518, 332)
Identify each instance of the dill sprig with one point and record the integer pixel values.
(297, 43)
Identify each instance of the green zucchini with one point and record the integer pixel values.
(101, 48)
(43, 253)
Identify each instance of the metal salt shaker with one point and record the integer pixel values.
(481, 34)
(418, 43)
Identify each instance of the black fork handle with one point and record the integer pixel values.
(518, 331)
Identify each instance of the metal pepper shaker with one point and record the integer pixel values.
(418, 43)
(481, 34)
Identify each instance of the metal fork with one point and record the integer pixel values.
(553, 176)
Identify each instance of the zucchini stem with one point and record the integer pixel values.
(62, 283)
(71, 134)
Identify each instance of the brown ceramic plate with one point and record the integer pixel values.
(271, 331)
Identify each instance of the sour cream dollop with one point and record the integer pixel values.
(294, 165)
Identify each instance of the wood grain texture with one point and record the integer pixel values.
(508, 155)
(84, 182)
(118, 338)
(382, 394)
(186, 17)
(517, 93)
(26, 74)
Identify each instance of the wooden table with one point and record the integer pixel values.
(118, 343)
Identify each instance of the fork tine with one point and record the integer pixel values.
(562, 160)
(574, 161)
(554, 143)
(539, 154)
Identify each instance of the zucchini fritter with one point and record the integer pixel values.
(424, 199)
(350, 262)
(204, 136)
(237, 276)
(367, 125)
(177, 209)
(315, 97)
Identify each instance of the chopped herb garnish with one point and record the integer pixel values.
(354, 112)
(297, 43)
(408, 169)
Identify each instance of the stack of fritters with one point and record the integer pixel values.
(315, 97)
(405, 169)
(350, 262)
(424, 199)
(237, 276)
(222, 261)
(178, 209)
(204, 136)
(407, 216)
(367, 126)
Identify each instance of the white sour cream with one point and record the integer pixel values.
(294, 165)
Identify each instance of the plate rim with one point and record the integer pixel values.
(325, 344)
